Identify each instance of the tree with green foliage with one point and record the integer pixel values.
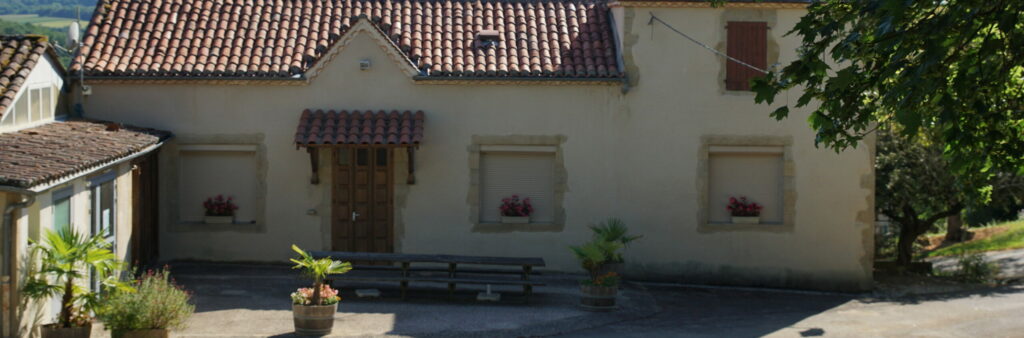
(955, 67)
(915, 188)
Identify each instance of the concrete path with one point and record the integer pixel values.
(1011, 263)
(701, 312)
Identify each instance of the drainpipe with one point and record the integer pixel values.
(9, 276)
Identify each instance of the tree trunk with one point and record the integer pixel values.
(954, 228)
(65, 303)
(316, 292)
(905, 245)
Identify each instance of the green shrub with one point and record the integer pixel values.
(157, 303)
(972, 268)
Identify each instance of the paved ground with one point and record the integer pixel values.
(252, 301)
(1011, 263)
(690, 312)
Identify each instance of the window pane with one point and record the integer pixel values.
(62, 213)
(47, 104)
(36, 104)
(55, 94)
(344, 156)
(362, 157)
(8, 118)
(103, 214)
(382, 157)
(21, 110)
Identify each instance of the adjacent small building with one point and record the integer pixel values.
(57, 171)
(398, 126)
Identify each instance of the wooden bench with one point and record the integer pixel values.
(453, 266)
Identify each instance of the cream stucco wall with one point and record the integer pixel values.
(632, 155)
(33, 221)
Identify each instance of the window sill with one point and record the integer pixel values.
(200, 226)
(498, 227)
(744, 227)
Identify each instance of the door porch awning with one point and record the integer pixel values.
(336, 129)
(359, 128)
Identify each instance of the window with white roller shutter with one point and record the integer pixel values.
(527, 171)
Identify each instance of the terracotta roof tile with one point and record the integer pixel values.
(18, 55)
(33, 156)
(359, 127)
(282, 38)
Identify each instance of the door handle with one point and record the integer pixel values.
(354, 215)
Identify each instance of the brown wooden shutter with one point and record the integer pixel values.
(748, 42)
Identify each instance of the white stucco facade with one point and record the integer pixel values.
(634, 151)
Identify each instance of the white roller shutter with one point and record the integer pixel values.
(527, 174)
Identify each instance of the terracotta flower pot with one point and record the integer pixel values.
(55, 331)
(314, 320)
(598, 298)
(151, 333)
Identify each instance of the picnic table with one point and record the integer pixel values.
(454, 267)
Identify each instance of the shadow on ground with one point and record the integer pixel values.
(252, 300)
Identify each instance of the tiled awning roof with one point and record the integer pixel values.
(38, 155)
(359, 128)
(260, 39)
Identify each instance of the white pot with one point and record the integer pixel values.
(515, 219)
(218, 219)
(746, 219)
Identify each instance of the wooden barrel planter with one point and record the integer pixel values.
(151, 333)
(55, 331)
(314, 320)
(598, 298)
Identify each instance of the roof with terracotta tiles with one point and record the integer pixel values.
(38, 155)
(359, 127)
(285, 38)
(18, 56)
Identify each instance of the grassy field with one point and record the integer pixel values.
(1011, 238)
(44, 21)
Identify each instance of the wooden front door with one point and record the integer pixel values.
(362, 208)
(144, 240)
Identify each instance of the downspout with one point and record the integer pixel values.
(9, 275)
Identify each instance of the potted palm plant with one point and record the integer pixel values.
(157, 306)
(313, 308)
(613, 230)
(600, 289)
(743, 211)
(66, 258)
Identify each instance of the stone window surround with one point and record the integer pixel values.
(561, 179)
(788, 182)
(171, 165)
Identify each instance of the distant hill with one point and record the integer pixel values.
(55, 34)
(52, 8)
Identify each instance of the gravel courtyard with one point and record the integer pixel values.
(252, 301)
